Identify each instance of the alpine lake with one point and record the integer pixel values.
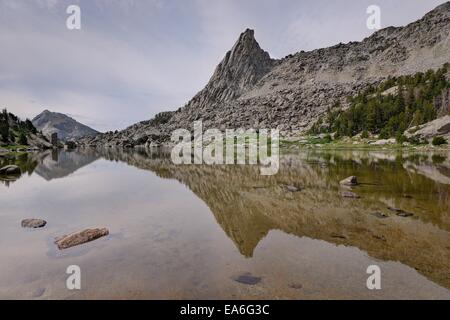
(227, 232)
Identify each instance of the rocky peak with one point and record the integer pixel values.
(243, 66)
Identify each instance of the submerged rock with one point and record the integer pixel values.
(405, 214)
(348, 194)
(292, 189)
(296, 286)
(33, 223)
(10, 170)
(401, 213)
(81, 237)
(380, 215)
(248, 279)
(39, 292)
(350, 181)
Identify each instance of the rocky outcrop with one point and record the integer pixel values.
(437, 128)
(66, 127)
(16, 132)
(81, 237)
(39, 142)
(251, 90)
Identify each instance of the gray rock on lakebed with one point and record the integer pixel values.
(350, 181)
(78, 238)
(10, 170)
(33, 223)
(292, 189)
(247, 278)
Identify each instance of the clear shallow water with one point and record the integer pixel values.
(189, 231)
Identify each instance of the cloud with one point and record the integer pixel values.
(133, 59)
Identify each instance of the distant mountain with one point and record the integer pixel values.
(66, 127)
(250, 90)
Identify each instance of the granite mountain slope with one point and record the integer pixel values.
(249, 89)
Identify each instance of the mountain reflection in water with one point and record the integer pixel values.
(247, 206)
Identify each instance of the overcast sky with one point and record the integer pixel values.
(134, 58)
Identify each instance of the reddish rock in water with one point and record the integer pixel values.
(81, 237)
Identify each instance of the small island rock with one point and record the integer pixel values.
(33, 223)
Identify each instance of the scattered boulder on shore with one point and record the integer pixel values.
(10, 170)
(81, 237)
(384, 142)
(350, 181)
(33, 223)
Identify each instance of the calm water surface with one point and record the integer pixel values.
(190, 231)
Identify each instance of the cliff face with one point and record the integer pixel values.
(249, 89)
